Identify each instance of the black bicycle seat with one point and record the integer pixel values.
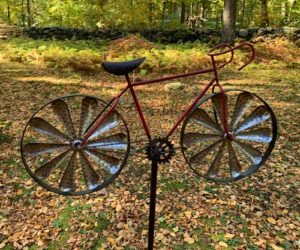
(122, 68)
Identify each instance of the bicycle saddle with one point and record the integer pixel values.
(122, 68)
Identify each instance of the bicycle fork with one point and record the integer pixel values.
(223, 115)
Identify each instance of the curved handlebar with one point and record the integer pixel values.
(231, 50)
(224, 45)
(253, 55)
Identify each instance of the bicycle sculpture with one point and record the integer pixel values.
(78, 144)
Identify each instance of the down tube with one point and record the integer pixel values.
(191, 106)
(138, 107)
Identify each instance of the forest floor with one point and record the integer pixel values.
(259, 212)
(7, 31)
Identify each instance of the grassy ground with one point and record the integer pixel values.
(261, 212)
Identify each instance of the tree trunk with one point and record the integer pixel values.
(229, 17)
(264, 13)
(249, 20)
(163, 12)
(174, 8)
(292, 7)
(132, 14)
(187, 11)
(201, 14)
(23, 15)
(8, 12)
(182, 16)
(151, 9)
(287, 10)
(243, 13)
(29, 14)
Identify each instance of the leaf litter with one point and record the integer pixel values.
(261, 212)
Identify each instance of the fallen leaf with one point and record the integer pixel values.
(229, 236)
(276, 247)
(271, 220)
(188, 214)
(118, 208)
(188, 239)
(223, 244)
(111, 240)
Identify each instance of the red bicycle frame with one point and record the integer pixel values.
(213, 82)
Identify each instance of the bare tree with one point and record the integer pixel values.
(8, 11)
(29, 14)
(182, 16)
(243, 13)
(23, 15)
(229, 18)
(264, 13)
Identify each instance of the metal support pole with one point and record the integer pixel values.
(154, 167)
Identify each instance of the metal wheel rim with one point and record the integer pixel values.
(251, 170)
(72, 193)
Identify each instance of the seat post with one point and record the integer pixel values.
(138, 107)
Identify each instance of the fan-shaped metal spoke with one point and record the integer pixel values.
(43, 148)
(201, 117)
(40, 125)
(199, 157)
(91, 177)
(109, 163)
(243, 103)
(113, 142)
(45, 170)
(88, 109)
(53, 152)
(111, 122)
(215, 166)
(217, 102)
(259, 115)
(234, 165)
(62, 111)
(263, 135)
(193, 138)
(230, 155)
(67, 183)
(254, 155)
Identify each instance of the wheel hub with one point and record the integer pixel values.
(228, 136)
(76, 144)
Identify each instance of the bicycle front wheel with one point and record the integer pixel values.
(51, 147)
(226, 157)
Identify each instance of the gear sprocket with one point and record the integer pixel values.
(160, 150)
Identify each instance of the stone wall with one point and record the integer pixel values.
(155, 35)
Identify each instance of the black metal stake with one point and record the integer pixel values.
(154, 167)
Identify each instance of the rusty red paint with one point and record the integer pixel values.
(213, 82)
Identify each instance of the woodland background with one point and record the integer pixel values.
(37, 65)
(150, 13)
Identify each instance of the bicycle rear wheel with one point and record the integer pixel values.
(225, 157)
(51, 147)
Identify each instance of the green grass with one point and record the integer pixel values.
(208, 222)
(61, 243)
(5, 138)
(8, 247)
(171, 186)
(74, 55)
(86, 56)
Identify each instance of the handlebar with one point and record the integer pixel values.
(231, 50)
(253, 55)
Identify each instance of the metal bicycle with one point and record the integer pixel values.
(78, 144)
(84, 130)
